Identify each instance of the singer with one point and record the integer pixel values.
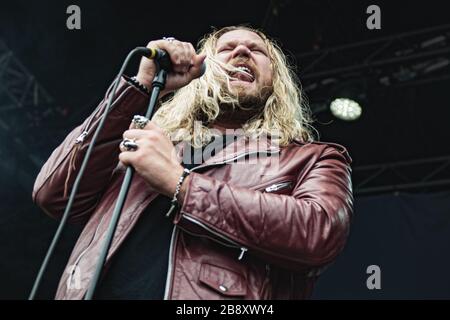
(233, 197)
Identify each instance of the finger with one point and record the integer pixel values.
(192, 55)
(152, 126)
(127, 158)
(176, 53)
(150, 131)
(197, 67)
(189, 53)
(180, 53)
(176, 59)
(161, 44)
(172, 48)
(134, 134)
(184, 61)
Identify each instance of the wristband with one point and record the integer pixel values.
(174, 202)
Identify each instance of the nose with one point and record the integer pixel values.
(241, 50)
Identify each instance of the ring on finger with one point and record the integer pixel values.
(128, 145)
(139, 122)
(170, 39)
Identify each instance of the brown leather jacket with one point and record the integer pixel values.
(243, 232)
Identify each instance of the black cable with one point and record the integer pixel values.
(138, 50)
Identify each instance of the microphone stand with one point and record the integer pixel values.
(158, 84)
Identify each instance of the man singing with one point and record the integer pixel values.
(232, 197)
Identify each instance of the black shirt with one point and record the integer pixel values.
(138, 270)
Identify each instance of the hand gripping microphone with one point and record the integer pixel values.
(162, 58)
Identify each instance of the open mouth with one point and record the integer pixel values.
(243, 73)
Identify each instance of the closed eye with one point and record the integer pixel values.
(258, 50)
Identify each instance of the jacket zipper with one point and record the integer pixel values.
(175, 231)
(170, 264)
(77, 261)
(82, 136)
(278, 186)
(232, 243)
(226, 244)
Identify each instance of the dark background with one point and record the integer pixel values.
(405, 120)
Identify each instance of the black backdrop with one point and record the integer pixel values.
(407, 236)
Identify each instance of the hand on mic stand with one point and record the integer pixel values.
(186, 65)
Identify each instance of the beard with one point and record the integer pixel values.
(248, 106)
(249, 103)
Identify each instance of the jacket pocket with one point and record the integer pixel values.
(223, 281)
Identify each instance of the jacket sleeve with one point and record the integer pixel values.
(300, 231)
(54, 182)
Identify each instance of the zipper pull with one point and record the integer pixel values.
(171, 210)
(81, 137)
(243, 251)
(271, 188)
(278, 186)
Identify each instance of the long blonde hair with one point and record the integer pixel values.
(284, 111)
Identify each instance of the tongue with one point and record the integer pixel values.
(243, 77)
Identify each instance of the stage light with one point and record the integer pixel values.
(345, 109)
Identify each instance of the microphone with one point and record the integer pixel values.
(163, 58)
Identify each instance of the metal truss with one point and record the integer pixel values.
(420, 174)
(410, 58)
(19, 90)
(25, 107)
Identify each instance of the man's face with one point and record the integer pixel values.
(247, 50)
